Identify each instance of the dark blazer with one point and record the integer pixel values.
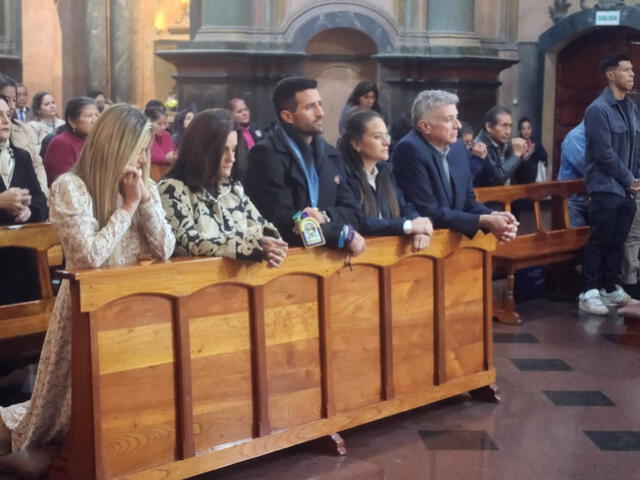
(419, 174)
(385, 224)
(277, 186)
(25, 177)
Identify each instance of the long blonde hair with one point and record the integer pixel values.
(114, 142)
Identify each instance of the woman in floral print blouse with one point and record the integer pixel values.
(206, 204)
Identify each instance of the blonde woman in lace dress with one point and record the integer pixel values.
(206, 204)
(106, 212)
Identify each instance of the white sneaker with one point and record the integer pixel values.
(617, 298)
(591, 302)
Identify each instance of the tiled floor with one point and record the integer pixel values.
(570, 390)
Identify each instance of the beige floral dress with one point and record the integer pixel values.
(45, 418)
(220, 224)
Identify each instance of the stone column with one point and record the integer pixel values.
(121, 40)
(97, 48)
(451, 16)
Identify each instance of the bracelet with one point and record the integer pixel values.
(347, 235)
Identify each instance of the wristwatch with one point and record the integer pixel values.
(406, 226)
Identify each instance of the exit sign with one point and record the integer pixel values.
(607, 17)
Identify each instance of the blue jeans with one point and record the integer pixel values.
(578, 210)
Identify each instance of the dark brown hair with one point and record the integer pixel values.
(203, 144)
(354, 128)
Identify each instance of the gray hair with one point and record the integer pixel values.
(427, 101)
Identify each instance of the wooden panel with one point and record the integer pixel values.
(293, 354)
(137, 391)
(355, 316)
(220, 343)
(464, 307)
(413, 353)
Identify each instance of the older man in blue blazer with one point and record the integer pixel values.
(432, 169)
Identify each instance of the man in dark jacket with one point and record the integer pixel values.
(611, 129)
(504, 154)
(295, 170)
(432, 169)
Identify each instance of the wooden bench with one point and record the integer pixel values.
(559, 243)
(186, 366)
(28, 321)
(159, 170)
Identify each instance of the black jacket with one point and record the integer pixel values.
(385, 224)
(25, 177)
(494, 171)
(612, 160)
(277, 185)
(528, 169)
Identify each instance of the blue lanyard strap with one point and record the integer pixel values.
(310, 174)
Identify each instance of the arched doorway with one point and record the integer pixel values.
(578, 78)
(338, 59)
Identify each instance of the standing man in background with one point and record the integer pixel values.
(612, 142)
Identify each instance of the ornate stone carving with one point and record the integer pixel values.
(559, 10)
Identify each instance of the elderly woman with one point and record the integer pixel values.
(64, 149)
(206, 204)
(365, 150)
(106, 212)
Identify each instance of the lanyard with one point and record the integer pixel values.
(310, 174)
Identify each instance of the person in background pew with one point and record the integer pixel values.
(432, 169)
(295, 172)
(106, 212)
(163, 150)
(80, 116)
(22, 136)
(504, 154)
(23, 112)
(365, 150)
(180, 124)
(206, 204)
(21, 200)
(534, 154)
(45, 117)
(250, 132)
(572, 166)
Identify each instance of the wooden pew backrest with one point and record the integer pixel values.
(30, 317)
(185, 366)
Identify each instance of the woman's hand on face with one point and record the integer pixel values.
(275, 251)
(130, 189)
(419, 242)
(145, 196)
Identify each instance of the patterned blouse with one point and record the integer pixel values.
(222, 225)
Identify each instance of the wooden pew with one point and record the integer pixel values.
(560, 243)
(158, 171)
(30, 317)
(186, 366)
